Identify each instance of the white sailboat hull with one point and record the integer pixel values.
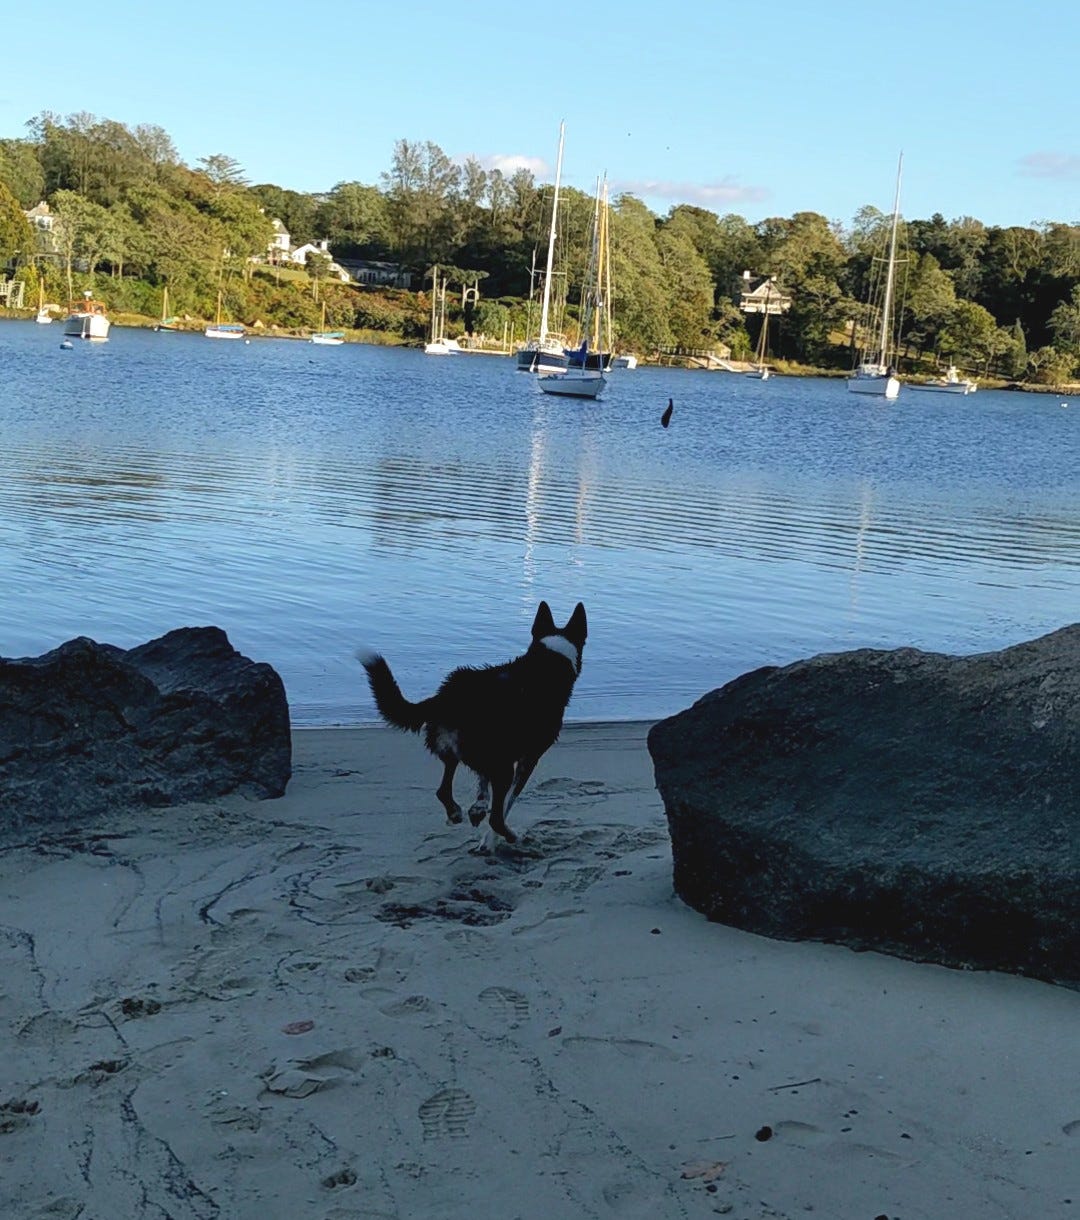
(965, 387)
(224, 332)
(573, 383)
(442, 347)
(874, 381)
(328, 340)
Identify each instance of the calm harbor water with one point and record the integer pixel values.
(309, 500)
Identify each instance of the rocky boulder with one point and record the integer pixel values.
(90, 727)
(920, 804)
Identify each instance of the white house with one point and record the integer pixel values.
(278, 250)
(40, 217)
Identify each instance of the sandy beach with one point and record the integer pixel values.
(325, 1007)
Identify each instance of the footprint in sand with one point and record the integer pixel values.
(447, 1114)
(16, 1114)
(802, 1135)
(343, 1177)
(506, 1003)
(410, 1006)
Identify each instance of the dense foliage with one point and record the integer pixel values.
(125, 206)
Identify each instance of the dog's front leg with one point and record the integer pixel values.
(445, 791)
(479, 808)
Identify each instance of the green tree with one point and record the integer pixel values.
(20, 172)
(419, 189)
(318, 269)
(1065, 324)
(640, 301)
(16, 237)
(353, 218)
(930, 302)
(970, 335)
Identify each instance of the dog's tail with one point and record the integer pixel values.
(394, 708)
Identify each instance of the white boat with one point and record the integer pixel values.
(545, 352)
(624, 362)
(875, 374)
(87, 320)
(44, 317)
(224, 330)
(950, 383)
(759, 369)
(327, 338)
(443, 347)
(573, 383)
(439, 344)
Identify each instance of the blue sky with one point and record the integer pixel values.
(794, 107)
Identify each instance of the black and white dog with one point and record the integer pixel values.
(496, 719)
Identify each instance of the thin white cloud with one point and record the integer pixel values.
(509, 163)
(723, 192)
(1050, 165)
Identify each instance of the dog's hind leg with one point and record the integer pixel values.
(445, 791)
(501, 782)
(479, 808)
(524, 768)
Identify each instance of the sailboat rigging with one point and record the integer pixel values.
(875, 373)
(584, 378)
(224, 330)
(545, 351)
(168, 321)
(439, 344)
(759, 368)
(327, 338)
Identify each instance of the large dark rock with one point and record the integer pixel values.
(920, 804)
(89, 727)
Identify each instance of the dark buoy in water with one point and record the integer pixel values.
(665, 419)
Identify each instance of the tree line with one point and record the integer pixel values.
(994, 299)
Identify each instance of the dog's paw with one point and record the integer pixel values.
(477, 813)
(453, 815)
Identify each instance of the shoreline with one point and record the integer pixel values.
(781, 368)
(324, 1005)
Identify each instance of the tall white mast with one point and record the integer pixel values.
(890, 273)
(551, 240)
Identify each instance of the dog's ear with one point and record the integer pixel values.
(577, 629)
(543, 624)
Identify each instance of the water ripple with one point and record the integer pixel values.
(308, 500)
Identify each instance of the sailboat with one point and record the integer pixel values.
(759, 368)
(545, 353)
(223, 330)
(439, 344)
(168, 321)
(585, 378)
(328, 338)
(875, 373)
(43, 315)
